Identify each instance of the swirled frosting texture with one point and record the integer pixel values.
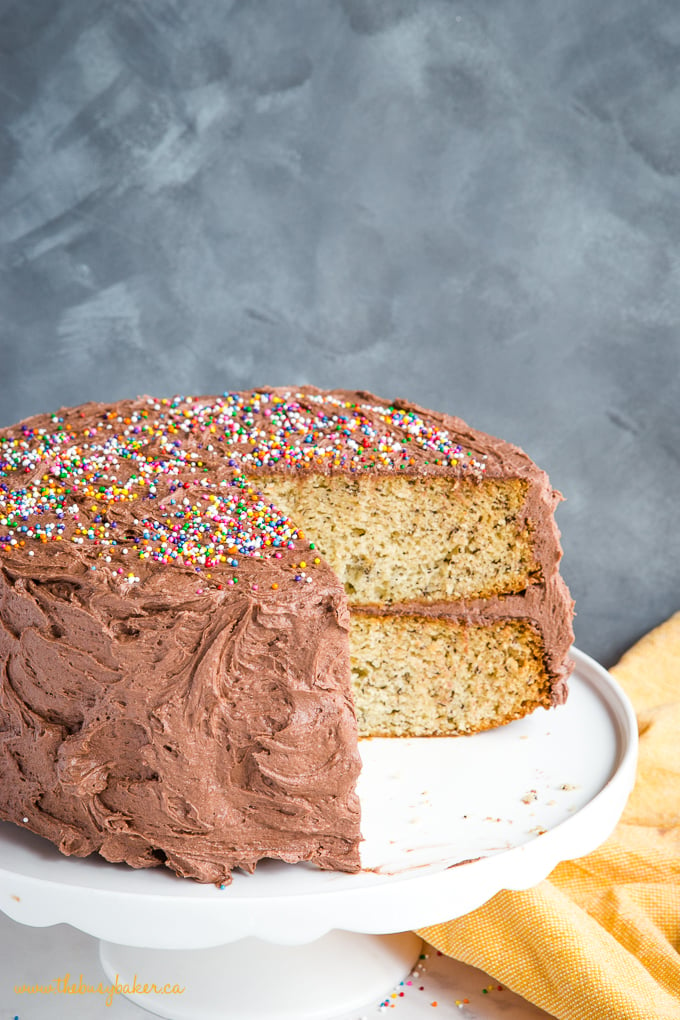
(154, 724)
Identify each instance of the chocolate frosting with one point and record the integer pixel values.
(153, 723)
(174, 655)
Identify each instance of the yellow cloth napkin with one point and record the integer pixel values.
(599, 939)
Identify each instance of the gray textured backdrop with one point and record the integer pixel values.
(476, 206)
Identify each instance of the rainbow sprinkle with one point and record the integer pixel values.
(65, 481)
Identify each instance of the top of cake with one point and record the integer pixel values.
(168, 479)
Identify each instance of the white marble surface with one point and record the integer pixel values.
(44, 955)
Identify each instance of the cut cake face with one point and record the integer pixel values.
(177, 685)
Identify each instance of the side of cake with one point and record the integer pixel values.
(179, 683)
(155, 722)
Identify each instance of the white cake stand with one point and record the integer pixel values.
(447, 824)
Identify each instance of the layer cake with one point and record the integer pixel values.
(205, 601)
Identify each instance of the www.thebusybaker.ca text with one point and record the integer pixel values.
(65, 986)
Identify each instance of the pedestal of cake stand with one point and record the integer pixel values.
(447, 824)
(256, 980)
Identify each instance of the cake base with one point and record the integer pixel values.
(340, 972)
